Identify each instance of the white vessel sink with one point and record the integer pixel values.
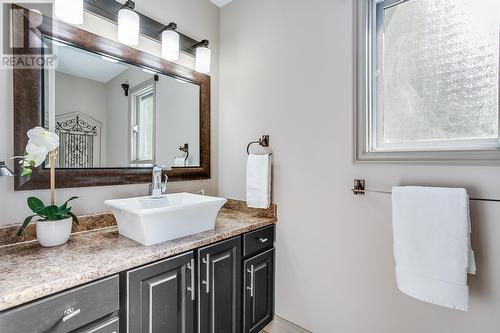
(150, 221)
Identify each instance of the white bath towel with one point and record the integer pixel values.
(259, 181)
(180, 161)
(432, 247)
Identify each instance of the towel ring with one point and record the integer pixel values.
(185, 148)
(263, 141)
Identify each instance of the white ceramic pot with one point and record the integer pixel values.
(53, 233)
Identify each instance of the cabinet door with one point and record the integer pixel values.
(258, 285)
(161, 297)
(219, 269)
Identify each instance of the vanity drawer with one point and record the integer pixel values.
(53, 314)
(258, 241)
(109, 326)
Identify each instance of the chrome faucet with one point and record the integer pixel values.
(158, 187)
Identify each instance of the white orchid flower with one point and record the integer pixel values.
(40, 137)
(35, 155)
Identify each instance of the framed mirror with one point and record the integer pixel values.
(118, 111)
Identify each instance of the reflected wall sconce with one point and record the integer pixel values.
(128, 24)
(70, 11)
(170, 42)
(5, 171)
(125, 88)
(203, 56)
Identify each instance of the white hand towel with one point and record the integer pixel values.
(180, 162)
(432, 248)
(259, 181)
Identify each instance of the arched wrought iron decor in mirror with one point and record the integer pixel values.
(31, 108)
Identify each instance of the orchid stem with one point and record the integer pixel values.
(52, 161)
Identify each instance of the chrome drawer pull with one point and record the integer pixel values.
(70, 313)
(206, 282)
(252, 274)
(263, 240)
(190, 266)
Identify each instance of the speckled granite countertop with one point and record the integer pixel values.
(29, 272)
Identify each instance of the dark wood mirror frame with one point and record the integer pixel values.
(28, 107)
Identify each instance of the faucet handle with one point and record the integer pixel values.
(164, 185)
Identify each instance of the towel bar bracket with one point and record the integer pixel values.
(263, 141)
(359, 187)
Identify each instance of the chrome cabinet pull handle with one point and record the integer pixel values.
(190, 266)
(206, 282)
(70, 313)
(252, 275)
(263, 240)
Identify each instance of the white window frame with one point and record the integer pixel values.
(366, 94)
(134, 93)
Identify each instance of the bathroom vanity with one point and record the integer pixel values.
(216, 281)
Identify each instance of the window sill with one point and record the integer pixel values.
(439, 157)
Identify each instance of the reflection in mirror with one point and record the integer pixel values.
(109, 114)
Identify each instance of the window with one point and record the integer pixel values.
(428, 80)
(142, 125)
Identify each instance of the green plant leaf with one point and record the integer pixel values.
(64, 212)
(64, 205)
(25, 224)
(75, 219)
(35, 204)
(49, 212)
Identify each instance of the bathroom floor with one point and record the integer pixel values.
(273, 328)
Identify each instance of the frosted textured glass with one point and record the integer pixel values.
(440, 72)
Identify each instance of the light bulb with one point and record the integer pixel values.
(128, 26)
(70, 11)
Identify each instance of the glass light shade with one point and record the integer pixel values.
(5, 171)
(170, 45)
(203, 58)
(70, 11)
(128, 27)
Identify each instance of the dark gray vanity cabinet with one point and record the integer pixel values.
(258, 299)
(258, 279)
(161, 296)
(219, 286)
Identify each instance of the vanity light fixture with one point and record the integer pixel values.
(170, 43)
(5, 171)
(203, 57)
(70, 11)
(128, 24)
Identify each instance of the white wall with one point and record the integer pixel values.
(91, 101)
(287, 71)
(196, 18)
(118, 115)
(177, 118)
(178, 121)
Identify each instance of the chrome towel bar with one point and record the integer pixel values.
(359, 189)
